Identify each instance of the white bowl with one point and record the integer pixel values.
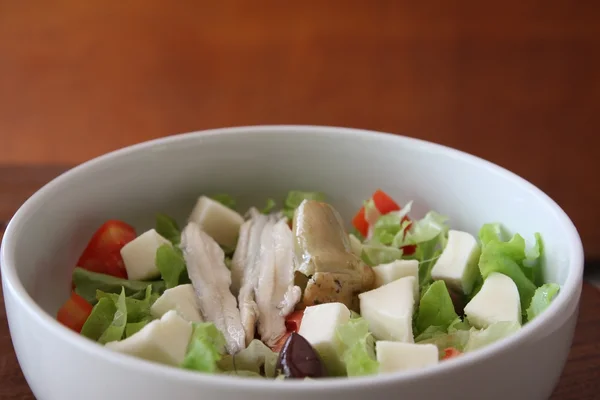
(46, 236)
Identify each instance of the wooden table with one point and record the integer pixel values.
(580, 380)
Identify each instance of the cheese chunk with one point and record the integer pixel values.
(397, 356)
(139, 255)
(497, 300)
(218, 221)
(182, 299)
(389, 310)
(387, 273)
(319, 325)
(458, 263)
(164, 341)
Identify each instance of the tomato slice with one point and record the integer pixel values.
(360, 222)
(74, 312)
(292, 324)
(451, 352)
(103, 252)
(384, 203)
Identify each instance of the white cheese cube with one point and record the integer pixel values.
(397, 356)
(319, 325)
(139, 255)
(458, 263)
(389, 310)
(497, 300)
(164, 341)
(182, 299)
(356, 245)
(218, 221)
(387, 273)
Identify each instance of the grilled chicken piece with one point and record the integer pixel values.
(246, 268)
(211, 280)
(324, 254)
(276, 294)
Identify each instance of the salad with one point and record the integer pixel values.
(289, 293)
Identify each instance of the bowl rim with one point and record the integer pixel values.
(570, 291)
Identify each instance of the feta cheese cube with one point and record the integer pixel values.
(319, 325)
(164, 341)
(218, 221)
(398, 356)
(389, 310)
(458, 263)
(497, 300)
(139, 255)
(182, 299)
(387, 273)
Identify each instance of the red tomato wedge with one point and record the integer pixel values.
(103, 252)
(385, 204)
(292, 324)
(450, 352)
(74, 312)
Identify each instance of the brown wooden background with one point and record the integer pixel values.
(517, 82)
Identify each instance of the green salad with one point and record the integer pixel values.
(286, 291)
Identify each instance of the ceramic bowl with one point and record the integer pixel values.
(48, 233)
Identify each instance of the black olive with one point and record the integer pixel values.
(298, 359)
(458, 300)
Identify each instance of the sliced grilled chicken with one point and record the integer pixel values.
(246, 268)
(211, 280)
(276, 295)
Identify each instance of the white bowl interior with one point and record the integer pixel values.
(252, 165)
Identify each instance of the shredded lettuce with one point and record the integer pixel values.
(430, 235)
(489, 335)
(390, 227)
(256, 359)
(505, 257)
(107, 320)
(456, 339)
(533, 261)
(225, 199)
(137, 309)
(374, 254)
(116, 329)
(269, 206)
(87, 283)
(358, 347)
(171, 264)
(99, 319)
(295, 197)
(167, 227)
(542, 298)
(435, 308)
(134, 327)
(206, 348)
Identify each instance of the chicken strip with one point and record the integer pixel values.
(276, 295)
(246, 268)
(211, 280)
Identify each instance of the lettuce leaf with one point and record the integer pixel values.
(116, 329)
(506, 258)
(99, 319)
(257, 358)
(358, 347)
(533, 262)
(489, 335)
(456, 339)
(295, 197)
(430, 235)
(87, 283)
(225, 199)
(134, 327)
(269, 206)
(376, 254)
(435, 308)
(137, 309)
(389, 227)
(167, 227)
(171, 264)
(206, 348)
(542, 298)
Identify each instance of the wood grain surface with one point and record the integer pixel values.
(516, 82)
(580, 380)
